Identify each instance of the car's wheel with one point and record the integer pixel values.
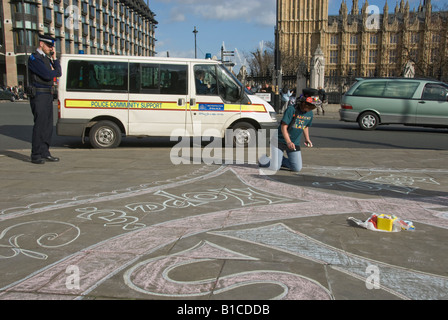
(244, 135)
(12, 98)
(105, 134)
(368, 121)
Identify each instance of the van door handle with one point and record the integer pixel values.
(181, 102)
(192, 102)
(422, 102)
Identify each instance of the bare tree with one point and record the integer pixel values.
(261, 61)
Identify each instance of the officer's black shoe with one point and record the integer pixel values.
(38, 161)
(51, 159)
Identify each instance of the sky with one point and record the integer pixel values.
(240, 26)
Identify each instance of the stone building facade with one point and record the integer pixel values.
(124, 27)
(364, 42)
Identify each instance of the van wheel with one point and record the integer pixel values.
(105, 134)
(368, 121)
(244, 135)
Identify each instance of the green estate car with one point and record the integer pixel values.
(408, 101)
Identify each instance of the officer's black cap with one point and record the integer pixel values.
(49, 40)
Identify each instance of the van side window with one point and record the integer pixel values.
(173, 79)
(205, 80)
(370, 89)
(400, 89)
(149, 79)
(158, 79)
(435, 92)
(97, 76)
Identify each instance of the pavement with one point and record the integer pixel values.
(128, 224)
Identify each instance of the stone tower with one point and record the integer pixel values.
(302, 26)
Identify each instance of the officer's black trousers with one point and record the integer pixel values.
(42, 108)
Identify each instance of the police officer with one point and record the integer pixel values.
(43, 67)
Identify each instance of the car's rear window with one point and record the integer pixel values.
(387, 89)
(401, 89)
(370, 89)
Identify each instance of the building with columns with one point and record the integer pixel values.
(364, 42)
(110, 27)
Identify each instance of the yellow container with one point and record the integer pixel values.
(385, 222)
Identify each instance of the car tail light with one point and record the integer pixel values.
(346, 106)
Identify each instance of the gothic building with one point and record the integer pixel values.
(363, 42)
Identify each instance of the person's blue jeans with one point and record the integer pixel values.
(278, 160)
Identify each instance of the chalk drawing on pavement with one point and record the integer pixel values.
(20, 238)
(257, 201)
(152, 276)
(399, 281)
(202, 173)
(400, 181)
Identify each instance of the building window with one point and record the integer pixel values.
(334, 39)
(29, 38)
(48, 17)
(374, 39)
(393, 56)
(394, 38)
(434, 55)
(334, 57)
(372, 56)
(415, 38)
(353, 56)
(371, 73)
(67, 46)
(413, 54)
(354, 39)
(436, 38)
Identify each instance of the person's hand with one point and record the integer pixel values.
(291, 146)
(309, 144)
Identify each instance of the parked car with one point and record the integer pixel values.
(6, 95)
(413, 102)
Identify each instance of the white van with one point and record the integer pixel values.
(106, 97)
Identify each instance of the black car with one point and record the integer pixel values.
(6, 95)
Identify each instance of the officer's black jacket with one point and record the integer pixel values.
(41, 74)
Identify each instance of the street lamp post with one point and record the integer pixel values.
(195, 43)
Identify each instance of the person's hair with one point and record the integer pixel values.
(309, 105)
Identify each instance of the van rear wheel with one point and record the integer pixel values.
(368, 121)
(105, 134)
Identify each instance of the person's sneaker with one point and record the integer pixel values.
(264, 161)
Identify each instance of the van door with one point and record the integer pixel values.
(433, 105)
(157, 98)
(215, 100)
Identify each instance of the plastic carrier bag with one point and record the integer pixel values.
(384, 223)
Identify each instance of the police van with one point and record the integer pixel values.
(107, 97)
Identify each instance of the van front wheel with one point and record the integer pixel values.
(105, 134)
(368, 121)
(244, 135)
